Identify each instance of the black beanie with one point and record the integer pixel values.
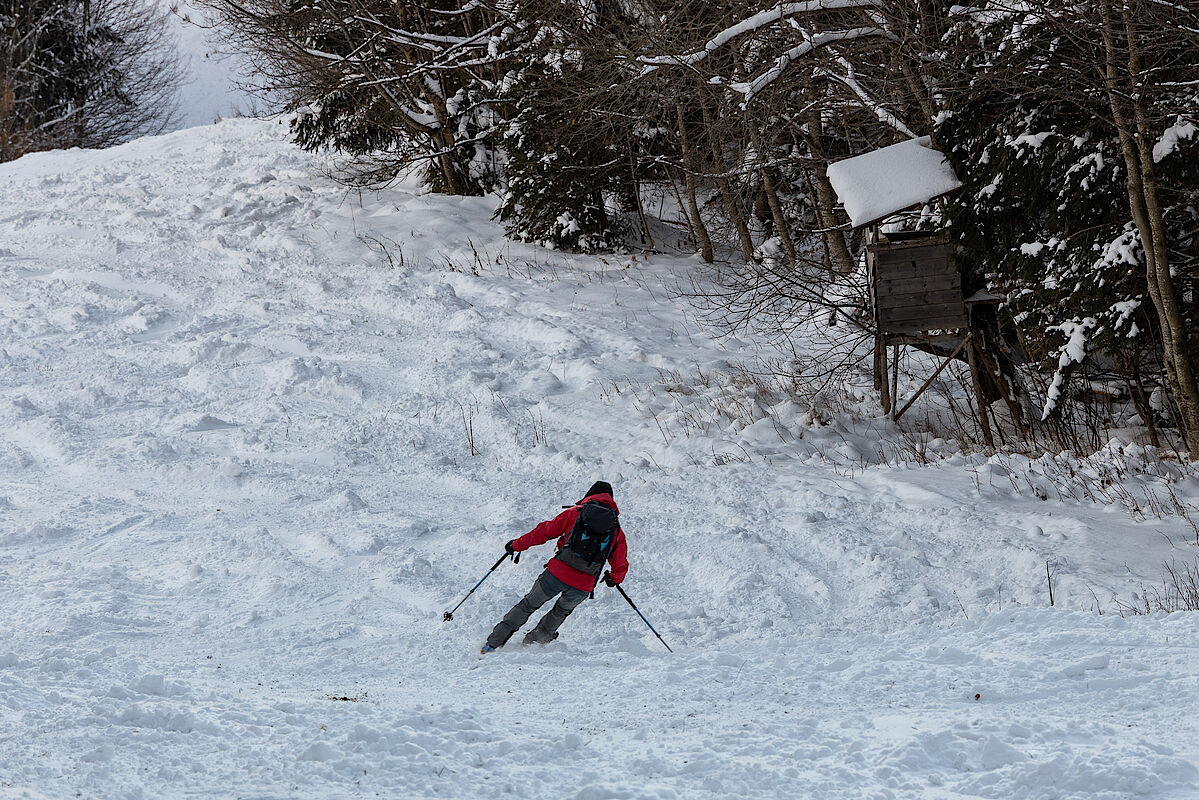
(599, 487)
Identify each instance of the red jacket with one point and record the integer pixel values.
(559, 528)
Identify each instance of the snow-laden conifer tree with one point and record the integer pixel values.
(566, 145)
(83, 73)
(393, 83)
(1073, 126)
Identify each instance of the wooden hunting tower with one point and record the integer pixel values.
(916, 291)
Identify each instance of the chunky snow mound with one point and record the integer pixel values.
(259, 432)
(879, 183)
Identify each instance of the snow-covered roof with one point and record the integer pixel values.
(879, 183)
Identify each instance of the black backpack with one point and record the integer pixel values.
(591, 540)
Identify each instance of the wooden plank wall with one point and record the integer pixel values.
(917, 288)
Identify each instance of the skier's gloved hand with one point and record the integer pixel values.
(508, 548)
(608, 579)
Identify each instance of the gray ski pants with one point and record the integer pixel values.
(545, 587)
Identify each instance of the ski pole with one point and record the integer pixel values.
(629, 600)
(449, 615)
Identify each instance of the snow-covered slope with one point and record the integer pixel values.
(260, 431)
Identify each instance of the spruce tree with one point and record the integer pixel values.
(567, 155)
(83, 74)
(555, 194)
(1043, 215)
(393, 83)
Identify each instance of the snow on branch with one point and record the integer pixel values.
(1074, 351)
(323, 55)
(415, 37)
(1171, 139)
(756, 85)
(874, 106)
(753, 23)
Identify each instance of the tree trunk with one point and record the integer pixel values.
(697, 223)
(443, 141)
(919, 91)
(826, 198)
(726, 191)
(1141, 185)
(1186, 392)
(772, 197)
(646, 237)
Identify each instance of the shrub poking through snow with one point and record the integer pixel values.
(1179, 591)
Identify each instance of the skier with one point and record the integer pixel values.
(588, 534)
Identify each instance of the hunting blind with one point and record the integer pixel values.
(917, 296)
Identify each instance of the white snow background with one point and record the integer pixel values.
(237, 491)
(210, 89)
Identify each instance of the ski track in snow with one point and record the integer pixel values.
(237, 490)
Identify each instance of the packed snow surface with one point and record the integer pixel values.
(880, 183)
(260, 431)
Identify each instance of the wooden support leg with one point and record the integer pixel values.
(894, 376)
(932, 377)
(980, 398)
(880, 373)
(993, 368)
